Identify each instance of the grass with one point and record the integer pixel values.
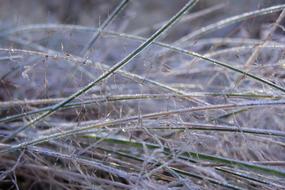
(198, 113)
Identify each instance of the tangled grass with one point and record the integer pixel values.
(89, 108)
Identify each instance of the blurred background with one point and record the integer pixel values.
(140, 13)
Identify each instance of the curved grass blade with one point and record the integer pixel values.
(9, 104)
(248, 177)
(102, 99)
(228, 21)
(217, 128)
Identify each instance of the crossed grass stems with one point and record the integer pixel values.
(66, 102)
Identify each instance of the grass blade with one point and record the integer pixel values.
(95, 36)
(228, 21)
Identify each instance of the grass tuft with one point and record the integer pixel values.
(204, 112)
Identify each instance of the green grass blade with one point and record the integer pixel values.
(206, 157)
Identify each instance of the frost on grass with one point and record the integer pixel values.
(202, 107)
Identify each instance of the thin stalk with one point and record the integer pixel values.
(85, 101)
(9, 104)
(219, 128)
(243, 49)
(95, 36)
(4, 58)
(127, 97)
(213, 181)
(229, 114)
(247, 177)
(228, 41)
